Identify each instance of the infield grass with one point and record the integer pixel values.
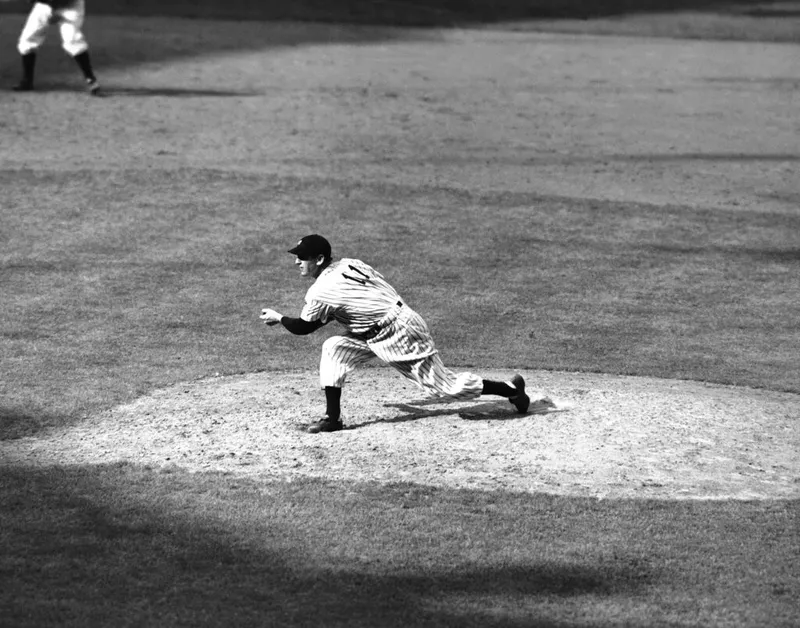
(173, 549)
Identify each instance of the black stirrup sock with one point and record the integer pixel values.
(28, 67)
(85, 64)
(333, 398)
(501, 389)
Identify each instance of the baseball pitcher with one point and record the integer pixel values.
(378, 323)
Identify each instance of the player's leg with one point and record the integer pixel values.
(406, 344)
(432, 376)
(31, 38)
(340, 356)
(408, 347)
(75, 45)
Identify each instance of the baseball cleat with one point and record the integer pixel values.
(521, 401)
(23, 86)
(325, 425)
(93, 86)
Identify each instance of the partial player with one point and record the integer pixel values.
(69, 16)
(378, 323)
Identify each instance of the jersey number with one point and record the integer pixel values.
(363, 281)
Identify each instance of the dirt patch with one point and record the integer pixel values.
(610, 437)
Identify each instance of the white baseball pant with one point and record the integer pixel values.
(404, 342)
(70, 24)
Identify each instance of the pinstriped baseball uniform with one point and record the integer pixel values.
(379, 324)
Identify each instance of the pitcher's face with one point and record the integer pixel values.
(309, 267)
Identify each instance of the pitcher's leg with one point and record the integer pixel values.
(435, 378)
(340, 356)
(432, 376)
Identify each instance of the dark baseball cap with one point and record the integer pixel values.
(311, 246)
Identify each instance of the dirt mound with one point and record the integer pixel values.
(610, 436)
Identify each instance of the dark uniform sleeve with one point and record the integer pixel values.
(300, 327)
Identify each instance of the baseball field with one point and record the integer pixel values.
(603, 197)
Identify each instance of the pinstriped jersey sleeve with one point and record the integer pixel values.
(315, 309)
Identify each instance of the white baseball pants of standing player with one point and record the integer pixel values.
(404, 342)
(70, 25)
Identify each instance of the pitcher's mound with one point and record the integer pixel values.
(608, 436)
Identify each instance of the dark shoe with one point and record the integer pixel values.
(325, 425)
(93, 86)
(23, 86)
(521, 401)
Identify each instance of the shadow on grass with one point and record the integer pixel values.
(219, 26)
(118, 40)
(135, 92)
(175, 92)
(771, 12)
(17, 423)
(425, 13)
(93, 546)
